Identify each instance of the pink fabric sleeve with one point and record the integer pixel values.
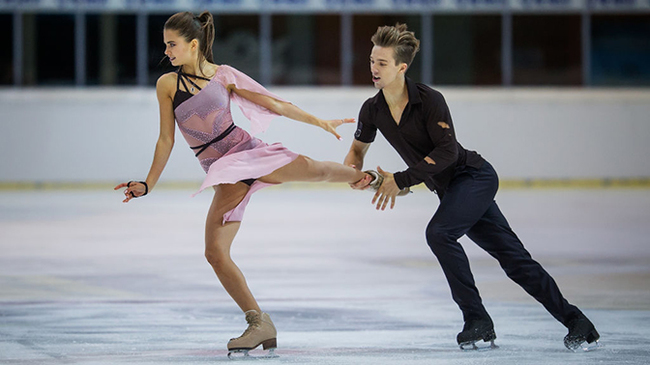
(259, 116)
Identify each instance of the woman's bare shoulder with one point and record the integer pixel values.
(166, 84)
(165, 80)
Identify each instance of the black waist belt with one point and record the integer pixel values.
(216, 139)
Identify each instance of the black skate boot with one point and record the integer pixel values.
(582, 334)
(475, 330)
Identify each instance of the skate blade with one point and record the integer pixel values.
(245, 355)
(404, 192)
(587, 347)
(471, 346)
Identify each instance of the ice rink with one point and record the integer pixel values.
(85, 279)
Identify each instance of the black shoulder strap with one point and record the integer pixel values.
(179, 80)
(188, 77)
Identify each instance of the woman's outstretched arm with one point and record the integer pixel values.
(164, 91)
(289, 110)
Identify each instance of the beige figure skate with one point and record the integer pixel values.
(378, 179)
(260, 331)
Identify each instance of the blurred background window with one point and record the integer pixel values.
(463, 48)
(467, 50)
(237, 43)
(49, 49)
(7, 54)
(157, 62)
(620, 54)
(547, 50)
(306, 49)
(111, 49)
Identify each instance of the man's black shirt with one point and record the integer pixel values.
(424, 137)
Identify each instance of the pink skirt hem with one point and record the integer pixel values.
(247, 164)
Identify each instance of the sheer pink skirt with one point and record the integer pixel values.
(253, 163)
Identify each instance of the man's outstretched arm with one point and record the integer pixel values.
(355, 158)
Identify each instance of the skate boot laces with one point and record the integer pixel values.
(254, 321)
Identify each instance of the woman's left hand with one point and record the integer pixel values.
(331, 125)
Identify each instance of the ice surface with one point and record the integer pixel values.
(85, 279)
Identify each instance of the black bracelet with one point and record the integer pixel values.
(146, 188)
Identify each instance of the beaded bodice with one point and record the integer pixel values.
(203, 116)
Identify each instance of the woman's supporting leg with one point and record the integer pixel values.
(218, 240)
(304, 168)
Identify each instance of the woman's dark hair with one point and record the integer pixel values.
(192, 27)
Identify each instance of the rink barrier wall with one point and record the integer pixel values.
(532, 136)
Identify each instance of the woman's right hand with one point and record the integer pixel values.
(331, 125)
(134, 189)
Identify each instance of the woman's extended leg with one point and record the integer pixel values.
(218, 240)
(304, 168)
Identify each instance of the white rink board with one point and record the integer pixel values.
(100, 134)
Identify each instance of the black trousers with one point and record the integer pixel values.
(468, 207)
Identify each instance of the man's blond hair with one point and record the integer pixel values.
(403, 42)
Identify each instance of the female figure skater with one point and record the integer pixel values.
(198, 97)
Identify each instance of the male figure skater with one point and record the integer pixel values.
(416, 121)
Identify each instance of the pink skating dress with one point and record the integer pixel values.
(227, 153)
